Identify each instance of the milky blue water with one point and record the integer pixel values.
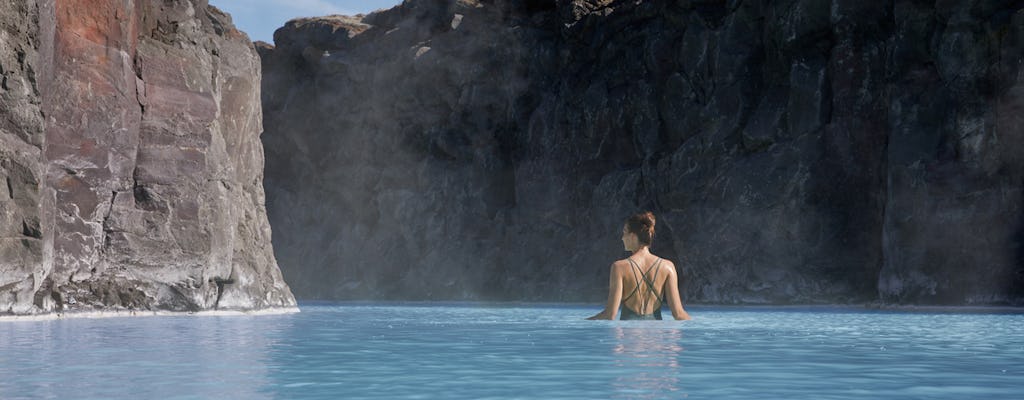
(350, 351)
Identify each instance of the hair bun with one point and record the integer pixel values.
(642, 224)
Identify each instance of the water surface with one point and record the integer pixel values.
(451, 351)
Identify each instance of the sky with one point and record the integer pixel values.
(260, 18)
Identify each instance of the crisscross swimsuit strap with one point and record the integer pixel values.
(648, 282)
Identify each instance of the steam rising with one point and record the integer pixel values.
(490, 150)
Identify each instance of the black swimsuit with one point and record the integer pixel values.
(628, 313)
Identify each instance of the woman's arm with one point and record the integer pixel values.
(674, 303)
(611, 309)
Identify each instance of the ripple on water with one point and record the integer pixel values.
(472, 351)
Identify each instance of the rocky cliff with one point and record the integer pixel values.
(794, 151)
(130, 160)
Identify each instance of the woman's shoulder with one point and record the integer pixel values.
(625, 262)
(666, 263)
(622, 265)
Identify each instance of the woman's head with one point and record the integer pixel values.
(639, 228)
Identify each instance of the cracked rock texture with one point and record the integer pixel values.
(130, 160)
(795, 151)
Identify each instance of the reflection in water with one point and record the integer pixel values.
(648, 358)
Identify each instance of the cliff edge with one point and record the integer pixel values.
(130, 161)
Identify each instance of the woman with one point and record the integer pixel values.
(640, 282)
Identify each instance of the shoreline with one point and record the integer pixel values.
(866, 307)
(144, 313)
(894, 308)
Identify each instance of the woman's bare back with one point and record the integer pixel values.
(643, 283)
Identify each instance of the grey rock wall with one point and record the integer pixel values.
(794, 151)
(132, 158)
(21, 142)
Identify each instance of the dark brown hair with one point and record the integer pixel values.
(642, 224)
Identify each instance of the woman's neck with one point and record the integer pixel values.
(643, 251)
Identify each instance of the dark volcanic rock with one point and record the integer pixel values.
(794, 151)
(142, 188)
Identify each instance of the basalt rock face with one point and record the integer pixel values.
(794, 151)
(132, 160)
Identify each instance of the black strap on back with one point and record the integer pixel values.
(649, 282)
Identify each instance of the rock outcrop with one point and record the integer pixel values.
(794, 151)
(129, 147)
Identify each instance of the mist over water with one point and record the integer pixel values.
(792, 153)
